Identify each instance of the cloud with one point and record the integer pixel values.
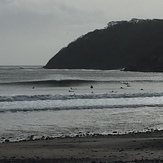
(39, 28)
(32, 29)
(46, 8)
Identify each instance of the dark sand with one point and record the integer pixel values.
(142, 147)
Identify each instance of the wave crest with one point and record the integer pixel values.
(75, 96)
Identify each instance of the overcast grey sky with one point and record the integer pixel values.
(32, 31)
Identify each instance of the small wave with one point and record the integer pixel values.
(76, 82)
(75, 96)
(15, 110)
(19, 67)
(60, 83)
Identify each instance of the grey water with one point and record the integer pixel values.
(56, 103)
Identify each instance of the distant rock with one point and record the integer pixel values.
(135, 45)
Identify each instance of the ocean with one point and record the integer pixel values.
(44, 103)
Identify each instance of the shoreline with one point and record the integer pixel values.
(133, 147)
(83, 135)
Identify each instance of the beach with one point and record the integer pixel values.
(140, 147)
(50, 116)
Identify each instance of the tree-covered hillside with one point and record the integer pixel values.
(135, 45)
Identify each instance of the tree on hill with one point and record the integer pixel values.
(135, 45)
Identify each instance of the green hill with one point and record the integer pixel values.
(135, 45)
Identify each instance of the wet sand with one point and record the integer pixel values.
(142, 147)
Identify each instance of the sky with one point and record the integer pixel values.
(33, 31)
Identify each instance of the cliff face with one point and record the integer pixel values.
(135, 45)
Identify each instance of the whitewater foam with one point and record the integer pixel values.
(76, 96)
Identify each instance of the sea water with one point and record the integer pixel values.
(57, 103)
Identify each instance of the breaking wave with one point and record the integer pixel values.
(75, 96)
(27, 103)
(102, 107)
(52, 82)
